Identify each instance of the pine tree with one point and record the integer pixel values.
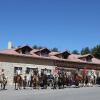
(35, 47)
(96, 51)
(54, 49)
(85, 51)
(75, 52)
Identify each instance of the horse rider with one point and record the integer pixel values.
(3, 79)
(55, 81)
(18, 80)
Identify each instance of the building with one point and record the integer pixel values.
(26, 59)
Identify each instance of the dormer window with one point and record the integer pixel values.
(43, 52)
(24, 50)
(63, 55)
(87, 57)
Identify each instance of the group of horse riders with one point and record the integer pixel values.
(36, 80)
(60, 80)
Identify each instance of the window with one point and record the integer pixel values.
(44, 54)
(46, 71)
(88, 59)
(17, 70)
(31, 70)
(23, 52)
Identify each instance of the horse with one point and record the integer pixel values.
(78, 79)
(43, 81)
(18, 82)
(55, 82)
(3, 81)
(24, 82)
(35, 81)
(60, 82)
(91, 78)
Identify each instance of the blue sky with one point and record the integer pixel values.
(65, 24)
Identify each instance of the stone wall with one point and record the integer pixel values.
(9, 68)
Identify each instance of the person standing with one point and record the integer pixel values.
(25, 82)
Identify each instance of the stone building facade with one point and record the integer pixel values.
(27, 59)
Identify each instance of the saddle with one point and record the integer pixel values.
(19, 78)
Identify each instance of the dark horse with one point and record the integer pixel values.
(18, 82)
(43, 81)
(60, 81)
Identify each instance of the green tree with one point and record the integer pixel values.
(85, 51)
(75, 52)
(96, 51)
(19, 46)
(35, 46)
(40, 47)
(54, 49)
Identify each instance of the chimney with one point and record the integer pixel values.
(9, 45)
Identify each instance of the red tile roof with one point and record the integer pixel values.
(52, 55)
(95, 60)
(42, 50)
(86, 55)
(34, 50)
(74, 57)
(9, 51)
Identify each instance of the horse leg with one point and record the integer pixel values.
(24, 85)
(63, 84)
(4, 85)
(1, 85)
(20, 85)
(37, 84)
(53, 85)
(16, 87)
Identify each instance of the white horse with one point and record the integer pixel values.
(3, 81)
(92, 78)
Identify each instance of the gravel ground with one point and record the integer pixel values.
(84, 93)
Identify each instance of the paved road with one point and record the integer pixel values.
(88, 93)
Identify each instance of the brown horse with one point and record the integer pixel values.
(18, 82)
(36, 81)
(78, 79)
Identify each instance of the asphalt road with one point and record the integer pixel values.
(87, 93)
